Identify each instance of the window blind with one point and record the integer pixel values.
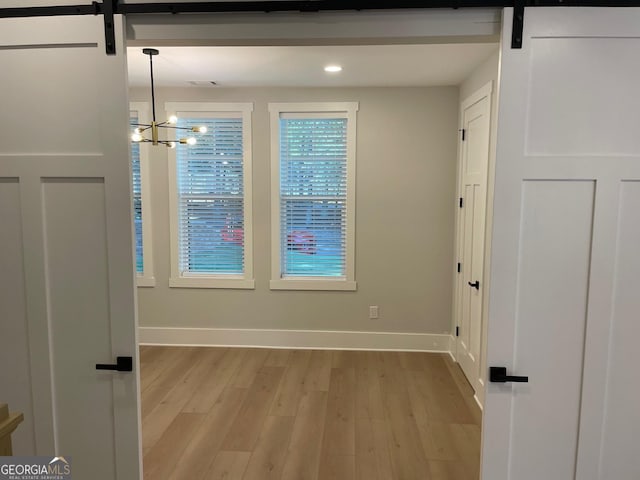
(137, 195)
(211, 198)
(313, 193)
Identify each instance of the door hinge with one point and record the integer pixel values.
(463, 133)
(457, 331)
(461, 202)
(459, 267)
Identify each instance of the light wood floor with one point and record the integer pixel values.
(259, 414)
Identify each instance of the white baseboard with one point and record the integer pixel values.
(320, 339)
(475, 397)
(452, 347)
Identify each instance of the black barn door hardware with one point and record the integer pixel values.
(123, 364)
(109, 8)
(518, 24)
(499, 375)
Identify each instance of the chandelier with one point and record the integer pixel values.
(142, 129)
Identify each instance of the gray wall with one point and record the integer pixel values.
(406, 168)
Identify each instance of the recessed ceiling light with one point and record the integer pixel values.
(333, 68)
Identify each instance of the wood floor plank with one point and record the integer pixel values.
(366, 455)
(167, 379)
(252, 362)
(228, 466)
(160, 460)
(467, 444)
(267, 459)
(292, 385)
(447, 470)
(247, 426)
(153, 371)
(344, 359)
(319, 371)
(212, 386)
(149, 355)
(278, 357)
(405, 446)
(436, 436)
(172, 404)
(465, 389)
(443, 399)
(340, 427)
(411, 360)
(368, 394)
(203, 446)
(303, 456)
(383, 457)
(338, 467)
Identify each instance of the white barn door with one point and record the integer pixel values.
(67, 298)
(565, 269)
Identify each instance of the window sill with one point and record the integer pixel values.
(312, 284)
(145, 281)
(211, 282)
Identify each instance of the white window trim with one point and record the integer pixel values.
(192, 280)
(146, 278)
(343, 109)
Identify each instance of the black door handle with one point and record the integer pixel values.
(475, 284)
(123, 364)
(499, 375)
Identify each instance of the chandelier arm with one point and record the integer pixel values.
(175, 128)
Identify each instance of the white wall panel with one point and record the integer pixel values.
(621, 449)
(14, 336)
(38, 128)
(551, 320)
(565, 117)
(75, 234)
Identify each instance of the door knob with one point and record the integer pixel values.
(123, 364)
(475, 284)
(499, 375)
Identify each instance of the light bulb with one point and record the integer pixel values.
(137, 130)
(191, 141)
(172, 145)
(202, 129)
(136, 137)
(333, 68)
(173, 119)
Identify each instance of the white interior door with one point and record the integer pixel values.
(67, 298)
(474, 161)
(564, 297)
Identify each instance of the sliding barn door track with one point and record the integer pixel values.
(109, 8)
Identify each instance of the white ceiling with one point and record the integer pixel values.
(302, 66)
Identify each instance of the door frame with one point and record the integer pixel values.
(508, 17)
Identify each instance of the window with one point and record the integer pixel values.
(313, 195)
(211, 198)
(141, 204)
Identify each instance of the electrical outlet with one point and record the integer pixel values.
(373, 311)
